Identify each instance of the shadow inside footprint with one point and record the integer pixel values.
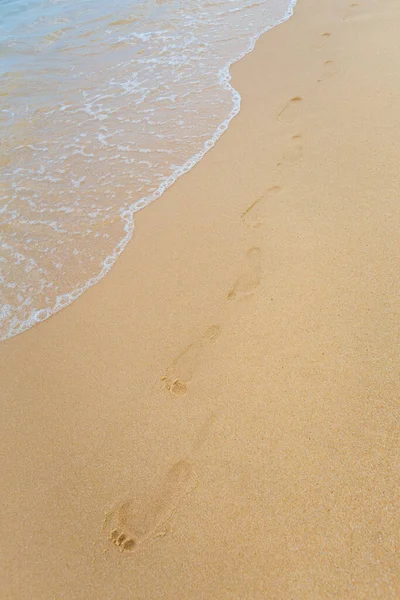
(249, 280)
(290, 111)
(329, 70)
(132, 522)
(253, 216)
(294, 152)
(122, 540)
(353, 10)
(180, 373)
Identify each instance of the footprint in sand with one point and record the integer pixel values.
(352, 11)
(250, 279)
(290, 111)
(294, 152)
(253, 216)
(180, 373)
(329, 70)
(322, 45)
(132, 522)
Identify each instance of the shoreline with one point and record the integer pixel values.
(127, 215)
(217, 418)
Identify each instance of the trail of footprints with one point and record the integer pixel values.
(132, 522)
(253, 216)
(180, 373)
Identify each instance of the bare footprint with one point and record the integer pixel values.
(290, 111)
(250, 279)
(294, 152)
(132, 522)
(329, 70)
(253, 216)
(352, 11)
(180, 373)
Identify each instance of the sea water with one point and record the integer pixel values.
(102, 107)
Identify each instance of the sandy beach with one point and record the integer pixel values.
(218, 418)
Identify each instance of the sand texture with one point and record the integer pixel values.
(218, 418)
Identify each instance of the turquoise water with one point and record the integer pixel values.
(103, 107)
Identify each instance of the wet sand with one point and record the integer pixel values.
(219, 416)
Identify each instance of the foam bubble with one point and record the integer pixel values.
(90, 147)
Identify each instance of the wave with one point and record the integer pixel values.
(64, 217)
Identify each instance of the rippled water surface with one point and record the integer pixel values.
(103, 106)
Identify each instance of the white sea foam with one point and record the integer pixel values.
(100, 117)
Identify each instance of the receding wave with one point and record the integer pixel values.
(100, 114)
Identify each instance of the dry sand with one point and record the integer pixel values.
(264, 288)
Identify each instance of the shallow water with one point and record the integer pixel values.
(102, 108)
